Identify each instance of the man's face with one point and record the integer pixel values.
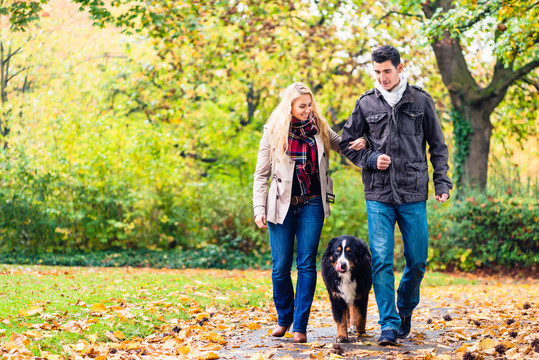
(387, 74)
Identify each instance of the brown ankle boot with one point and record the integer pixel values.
(279, 331)
(300, 337)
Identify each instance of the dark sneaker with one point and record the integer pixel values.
(389, 337)
(406, 326)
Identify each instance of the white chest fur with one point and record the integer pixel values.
(347, 288)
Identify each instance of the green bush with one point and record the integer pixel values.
(483, 231)
(208, 257)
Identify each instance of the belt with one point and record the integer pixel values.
(294, 200)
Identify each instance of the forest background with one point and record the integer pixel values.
(130, 130)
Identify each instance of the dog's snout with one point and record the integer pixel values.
(342, 266)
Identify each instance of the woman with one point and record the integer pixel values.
(294, 152)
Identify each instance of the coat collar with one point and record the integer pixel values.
(407, 97)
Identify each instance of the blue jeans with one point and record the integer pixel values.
(412, 220)
(304, 222)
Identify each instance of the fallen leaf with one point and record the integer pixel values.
(98, 307)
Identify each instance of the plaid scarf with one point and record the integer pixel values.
(302, 149)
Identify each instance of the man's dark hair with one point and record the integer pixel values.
(384, 53)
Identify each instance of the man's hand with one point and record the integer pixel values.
(358, 144)
(442, 198)
(260, 221)
(383, 161)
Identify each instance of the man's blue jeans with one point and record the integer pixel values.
(412, 220)
(303, 221)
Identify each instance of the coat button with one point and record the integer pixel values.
(324, 154)
(277, 196)
(279, 180)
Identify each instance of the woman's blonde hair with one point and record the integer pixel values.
(279, 121)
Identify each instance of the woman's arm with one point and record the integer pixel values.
(357, 144)
(261, 179)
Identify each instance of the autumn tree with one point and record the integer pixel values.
(484, 50)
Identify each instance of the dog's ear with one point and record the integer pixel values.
(329, 248)
(367, 255)
(366, 258)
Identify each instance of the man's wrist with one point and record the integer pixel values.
(372, 160)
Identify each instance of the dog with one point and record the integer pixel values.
(347, 273)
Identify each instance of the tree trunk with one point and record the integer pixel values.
(475, 168)
(464, 94)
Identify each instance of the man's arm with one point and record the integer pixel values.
(439, 156)
(354, 128)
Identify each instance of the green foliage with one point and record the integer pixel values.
(227, 255)
(21, 13)
(483, 231)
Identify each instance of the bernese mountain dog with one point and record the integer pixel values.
(347, 273)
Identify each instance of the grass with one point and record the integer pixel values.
(137, 302)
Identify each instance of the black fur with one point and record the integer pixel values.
(355, 311)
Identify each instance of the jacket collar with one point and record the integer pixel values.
(407, 97)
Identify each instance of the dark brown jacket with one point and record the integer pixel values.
(401, 133)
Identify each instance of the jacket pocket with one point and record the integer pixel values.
(378, 125)
(417, 176)
(410, 123)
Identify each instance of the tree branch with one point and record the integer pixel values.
(531, 82)
(389, 13)
(504, 77)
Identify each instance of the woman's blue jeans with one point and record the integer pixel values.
(412, 220)
(304, 222)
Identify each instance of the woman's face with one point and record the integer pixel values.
(301, 107)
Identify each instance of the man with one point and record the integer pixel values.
(398, 120)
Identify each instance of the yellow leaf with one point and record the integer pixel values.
(119, 335)
(194, 310)
(50, 356)
(214, 337)
(132, 346)
(335, 356)
(202, 316)
(98, 307)
(184, 350)
(486, 344)
(254, 326)
(92, 338)
(210, 356)
(288, 335)
(34, 334)
(31, 311)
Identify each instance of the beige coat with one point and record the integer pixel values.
(276, 201)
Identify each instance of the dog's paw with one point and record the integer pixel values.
(342, 339)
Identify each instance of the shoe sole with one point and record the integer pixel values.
(387, 342)
(403, 336)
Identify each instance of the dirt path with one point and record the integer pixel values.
(494, 320)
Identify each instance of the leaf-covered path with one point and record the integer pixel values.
(483, 318)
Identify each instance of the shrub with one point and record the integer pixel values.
(483, 231)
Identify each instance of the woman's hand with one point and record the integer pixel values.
(358, 144)
(260, 221)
